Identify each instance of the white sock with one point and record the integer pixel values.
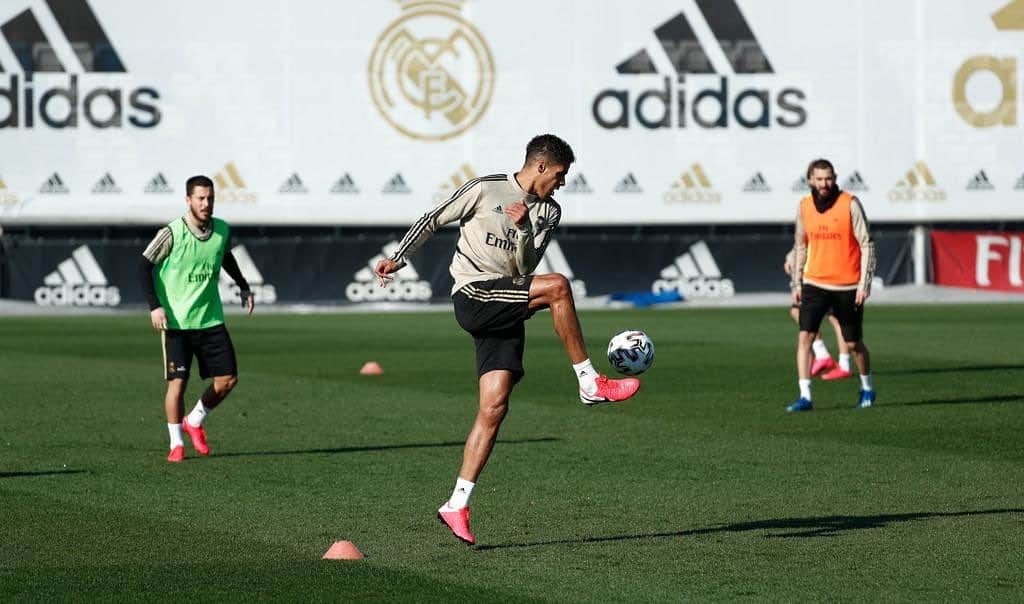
(805, 388)
(844, 361)
(198, 414)
(460, 496)
(865, 382)
(174, 430)
(820, 350)
(586, 374)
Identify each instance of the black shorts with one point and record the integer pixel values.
(816, 302)
(493, 312)
(212, 348)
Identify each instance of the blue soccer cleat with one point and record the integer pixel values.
(801, 404)
(867, 399)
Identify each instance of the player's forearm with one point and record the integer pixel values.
(867, 265)
(230, 266)
(145, 275)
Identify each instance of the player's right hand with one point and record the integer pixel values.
(384, 270)
(796, 296)
(159, 318)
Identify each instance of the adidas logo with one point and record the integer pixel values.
(81, 46)
(498, 210)
(454, 182)
(694, 274)
(692, 187)
(801, 185)
(578, 185)
(344, 185)
(106, 184)
(263, 293)
(683, 47)
(396, 185)
(553, 261)
(757, 184)
(293, 185)
(158, 184)
(917, 185)
(230, 187)
(406, 287)
(980, 182)
(78, 281)
(628, 184)
(855, 183)
(53, 185)
(1004, 112)
(6, 197)
(1020, 184)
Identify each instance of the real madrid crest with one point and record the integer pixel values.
(431, 73)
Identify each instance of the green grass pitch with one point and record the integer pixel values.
(700, 488)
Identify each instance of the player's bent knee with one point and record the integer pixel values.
(226, 383)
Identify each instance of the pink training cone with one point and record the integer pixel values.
(371, 368)
(343, 550)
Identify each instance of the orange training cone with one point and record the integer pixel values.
(371, 368)
(343, 550)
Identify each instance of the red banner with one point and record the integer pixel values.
(981, 260)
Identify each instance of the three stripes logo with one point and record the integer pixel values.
(682, 55)
(855, 183)
(263, 293)
(344, 185)
(463, 175)
(1020, 184)
(158, 184)
(694, 274)
(692, 187)
(6, 197)
(980, 182)
(230, 187)
(78, 281)
(628, 184)
(757, 184)
(77, 47)
(801, 185)
(106, 185)
(917, 185)
(578, 184)
(292, 185)
(406, 287)
(53, 185)
(396, 184)
(553, 261)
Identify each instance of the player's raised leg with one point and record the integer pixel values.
(553, 291)
(495, 388)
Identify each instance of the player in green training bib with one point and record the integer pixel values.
(179, 273)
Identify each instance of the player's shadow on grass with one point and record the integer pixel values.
(41, 473)
(1006, 398)
(364, 448)
(957, 369)
(781, 528)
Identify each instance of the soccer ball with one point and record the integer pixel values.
(631, 352)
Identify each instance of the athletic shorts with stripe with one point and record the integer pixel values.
(816, 302)
(211, 347)
(494, 312)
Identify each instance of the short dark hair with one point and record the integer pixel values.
(197, 181)
(820, 164)
(549, 146)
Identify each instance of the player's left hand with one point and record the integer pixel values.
(518, 212)
(248, 300)
(861, 297)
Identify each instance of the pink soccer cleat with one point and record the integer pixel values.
(610, 391)
(837, 374)
(822, 364)
(458, 521)
(177, 454)
(198, 436)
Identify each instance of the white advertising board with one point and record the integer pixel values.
(368, 112)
